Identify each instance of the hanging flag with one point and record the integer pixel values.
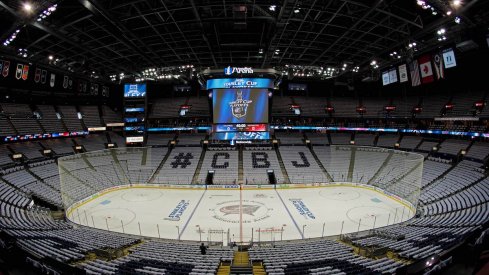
(6, 68)
(449, 58)
(44, 75)
(25, 72)
(414, 70)
(52, 80)
(385, 78)
(18, 71)
(65, 81)
(70, 83)
(438, 62)
(393, 75)
(426, 69)
(1, 65)
(37, 75)
(403, 73)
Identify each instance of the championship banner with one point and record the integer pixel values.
(52, 80)
(70, 83)
(1, 65)
(37, 75)
(403, 77)
(393, 75)
(18, 71)
(426, 69)
(438, 62)
(44, 74)
(385, 78)
(6, 68)
(25, 72)
(449, 58)
(65, 81)
(414, 70)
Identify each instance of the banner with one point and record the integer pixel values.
(414, 69)
(385, 78)
(403, 73)
(393, 75)
(449, 58)
(227, 83)
(6, 68)
(426, 69)
(438, 62)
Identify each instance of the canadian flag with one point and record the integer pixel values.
(426, 69)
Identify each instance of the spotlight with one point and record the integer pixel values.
(50, 57)
(456, 3)
(272, 7)
(297, 10)
(457, 20)
(27, 7)
(449, 13)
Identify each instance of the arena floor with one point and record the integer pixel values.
(267, 214)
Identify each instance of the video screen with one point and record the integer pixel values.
(240, 106)
(134, 90)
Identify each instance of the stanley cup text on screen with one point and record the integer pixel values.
(240, 105)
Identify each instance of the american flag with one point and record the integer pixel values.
(414, 70)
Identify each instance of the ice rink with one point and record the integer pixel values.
(224, 215)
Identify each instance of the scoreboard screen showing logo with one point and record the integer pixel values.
(134, 90)
(240, 106)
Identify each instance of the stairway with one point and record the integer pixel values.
(195, 178)
(258, 268)
(224, 268)
(241, 263)
(349, 177)
(282, 166)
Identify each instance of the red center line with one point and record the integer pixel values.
(240, 213)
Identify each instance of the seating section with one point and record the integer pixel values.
(478, 150)
(91, 116)
(93, 142)
(301, 165)
(289, 138)
(22, 118)
(110, 116)
(410, 142)
(318, 138)
(6, 128)
(318, 257)
(387, 140)
(70, 118)
(364, 139)
(340, 138)
(180, 166)
(223, 163)
(255, 166)
(50, 120)
(159, 139)
(190, 139)
(453, 146)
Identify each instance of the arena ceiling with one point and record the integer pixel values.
(110, 37)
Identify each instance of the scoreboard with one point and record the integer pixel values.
(243, 127)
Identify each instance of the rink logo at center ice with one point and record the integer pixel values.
(229, 211)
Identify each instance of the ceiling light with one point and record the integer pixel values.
(449, 13)
(297, 10)
(456, 3)
(50, 57)
(27, 7)
(272, 7)
(457, 20)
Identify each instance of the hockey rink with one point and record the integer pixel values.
(230, 214)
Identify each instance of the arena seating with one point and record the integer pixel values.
(454, 203)
(91, 116)
(255, 166)
(301, 165)
(49, 119)
(70, 118)
(224, 164)
(180, 166)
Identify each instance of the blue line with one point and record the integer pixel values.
(292, 218)
(191, 215)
